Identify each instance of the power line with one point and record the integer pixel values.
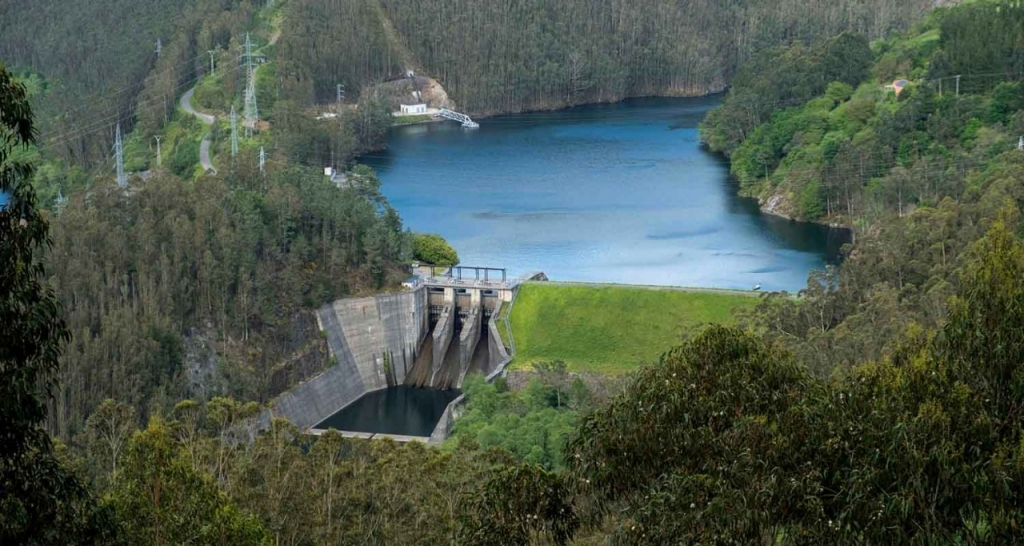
(103, 121)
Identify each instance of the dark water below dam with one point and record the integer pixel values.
(405, 411)
(607, 193)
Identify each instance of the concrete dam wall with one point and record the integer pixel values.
(373, 342)
(391, 340)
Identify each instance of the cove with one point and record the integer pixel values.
(620, 193)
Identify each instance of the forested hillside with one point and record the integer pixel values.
(512, 56)
(98, 61)
(97, 65)
(882, 406)
(219, 275)
(920, 176)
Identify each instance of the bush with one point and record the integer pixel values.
(184, 158)
(433, 249)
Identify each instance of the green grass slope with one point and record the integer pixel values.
(610, 329)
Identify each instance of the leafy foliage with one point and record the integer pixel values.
(433, 249)
(532, 424)
(41, 501)
(514, 56)
(160, 498)
(202, 289)
(728, 439)
(919, 177)
(522, 505)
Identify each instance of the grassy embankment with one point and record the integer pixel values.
(612, 329)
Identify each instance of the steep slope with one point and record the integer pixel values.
(511, 56)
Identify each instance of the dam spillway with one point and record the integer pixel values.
(453, 345)
(429, 337)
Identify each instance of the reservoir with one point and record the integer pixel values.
(620, 193)
(405, 411)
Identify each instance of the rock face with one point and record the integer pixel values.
(778, 205)
(203, 377)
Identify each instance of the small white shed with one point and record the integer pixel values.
(414, 108)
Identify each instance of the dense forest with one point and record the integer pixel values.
(95, 64)
(220, 274)
(919, 176)
(881, 406)
(497, 57)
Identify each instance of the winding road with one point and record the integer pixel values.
(206, 119)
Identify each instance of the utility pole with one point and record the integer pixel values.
(157, 151)
(212, 65)
(263, 159)
(958, 85)
(159, 47)
(234, 132)
(122, 179)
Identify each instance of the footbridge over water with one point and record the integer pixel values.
(465, 120)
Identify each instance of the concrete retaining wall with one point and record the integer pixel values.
(443, 332)
(444, 426)
(468, 340)
(373, 342)
(499, 357)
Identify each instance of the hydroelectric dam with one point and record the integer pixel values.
(398, 360)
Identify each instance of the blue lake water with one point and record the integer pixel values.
(618, 193)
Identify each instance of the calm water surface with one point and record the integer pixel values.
(406, 411)
(612, 193)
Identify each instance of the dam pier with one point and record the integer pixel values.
(390, 351)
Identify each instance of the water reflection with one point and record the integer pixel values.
(405, 411)
(618, 193)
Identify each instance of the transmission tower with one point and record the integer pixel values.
(122, 179)
(213, 65)
(62, 202)
(251, 111)
(159, 47)
(234, 131)
(263, 159)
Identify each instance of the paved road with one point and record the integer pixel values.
(186, 104)
(206, 119)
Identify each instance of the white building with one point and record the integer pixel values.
(414, 108)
